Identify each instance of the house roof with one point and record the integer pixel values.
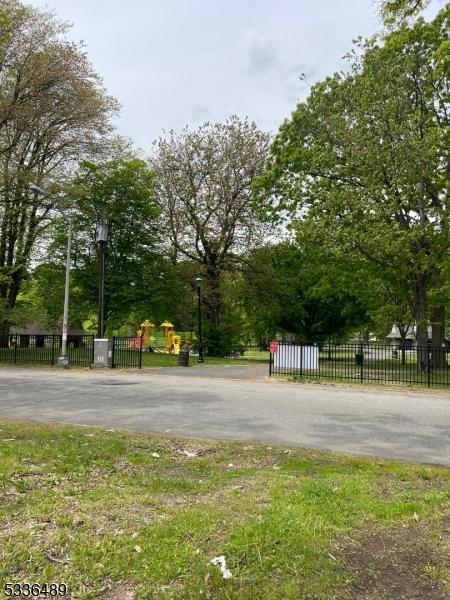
(410, 335)
(34, 329)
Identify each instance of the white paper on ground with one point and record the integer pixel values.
(220, 561)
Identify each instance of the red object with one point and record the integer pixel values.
(273, 347)
(137, 342)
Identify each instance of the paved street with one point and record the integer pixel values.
(392, 424)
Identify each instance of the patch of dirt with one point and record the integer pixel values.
(398, 563)
(218, 495)
(119, 591)
(390, 486)
(123, 515)
(41, 531)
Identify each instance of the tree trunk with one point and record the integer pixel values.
(403, 332)
(212, 297)
(420, 293)
(4, 333)
(438, 356)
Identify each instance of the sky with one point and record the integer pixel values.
(173, 63)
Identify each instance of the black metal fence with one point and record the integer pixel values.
(45, 349)
(426, 366)
(127, 352)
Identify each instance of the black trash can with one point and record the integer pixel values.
(359, 358)
(183, 358)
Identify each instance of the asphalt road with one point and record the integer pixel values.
(392, 424)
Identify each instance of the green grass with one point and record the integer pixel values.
(342, 368)
(98, 510)
(26, 357)
(156, 359)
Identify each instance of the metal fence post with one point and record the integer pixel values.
(362, 363)
(428, 366)
(15, 348)
(301, 359)
(92, 349)
(140, 352)
(113, 351)
(53, 349)
(270, 364)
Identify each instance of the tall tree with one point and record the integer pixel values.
(298, 288)
(138, 279)
(204, 180)
(53, 110)
(365, 157)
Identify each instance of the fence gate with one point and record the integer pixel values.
(126, 352)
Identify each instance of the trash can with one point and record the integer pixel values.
(359, 358)
(183, 358)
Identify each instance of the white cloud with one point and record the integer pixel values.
(177, 62)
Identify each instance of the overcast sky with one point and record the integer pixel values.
(177, 62)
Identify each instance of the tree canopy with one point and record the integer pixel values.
(140, 283)
(365, 158)
(204, 180)
(293, 288)
(399, 11)
(53, 111)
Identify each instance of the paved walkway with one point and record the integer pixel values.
(392, 424)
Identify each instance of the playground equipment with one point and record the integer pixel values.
(171, 339)
(165, 340)
(147, 331)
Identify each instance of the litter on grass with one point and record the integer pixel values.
(188, 454)
(219, 561)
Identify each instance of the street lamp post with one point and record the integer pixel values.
(198, 285)
(63, 359)
(102, 239)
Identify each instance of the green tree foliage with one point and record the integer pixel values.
(398, 11)
(365, 158)
(204, 182)
(290, 289)
(139, 282)
(53, 110)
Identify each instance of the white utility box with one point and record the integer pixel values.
(296, 358)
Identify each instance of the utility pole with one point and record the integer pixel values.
(63, 359)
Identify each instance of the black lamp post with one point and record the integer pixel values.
(102, 239)
(198, 285)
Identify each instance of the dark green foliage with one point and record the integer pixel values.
(139, 282)
(364, 161)
(290, 290)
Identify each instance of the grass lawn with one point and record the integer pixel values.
(155, 359)
(119, 515)
(80, 357)
(375, 368)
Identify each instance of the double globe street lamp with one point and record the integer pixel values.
(102, 239)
